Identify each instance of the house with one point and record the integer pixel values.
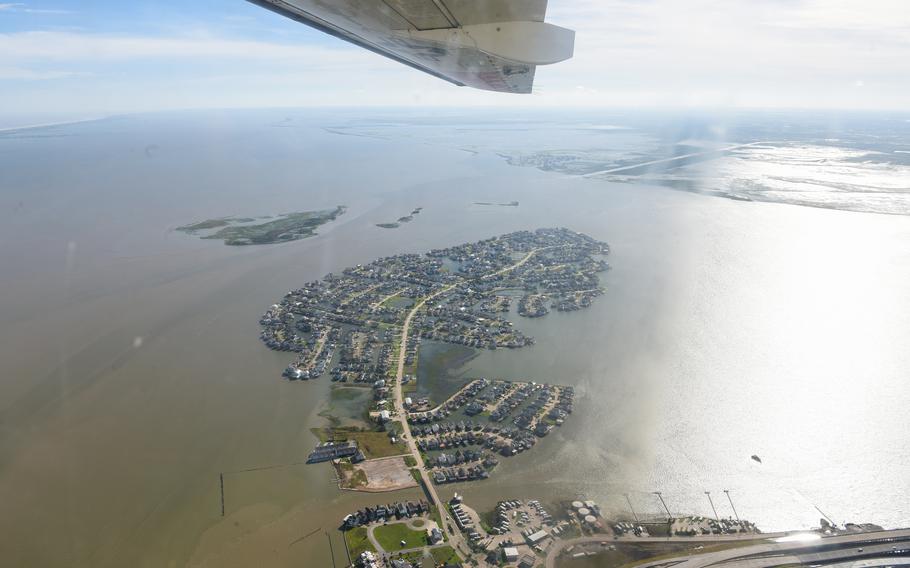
(434, 535)
(526, 561)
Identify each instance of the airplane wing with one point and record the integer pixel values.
(494, 45)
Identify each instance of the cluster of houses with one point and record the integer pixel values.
(533, 407)
(458, 474)
(533, 306)
(335, 450)
(456, 458)
(311, 319)
(369, 559)
(314, 354)
(458, 440)
(382, 513)
(506, 441)
(420, 414)
(464, 522)
(357, 360)
(464, 325)
(577, 300)
(351, 301)
(443, 428)
(496, 304)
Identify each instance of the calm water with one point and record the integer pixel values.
(132, 374)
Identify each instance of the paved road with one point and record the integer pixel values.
(456, 540)
(763, 555)
(560, 545)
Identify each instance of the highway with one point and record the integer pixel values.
(673, 159)
(765, 554)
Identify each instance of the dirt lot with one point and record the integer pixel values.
(385, 474)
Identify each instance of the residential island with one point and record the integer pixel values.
(364, 326)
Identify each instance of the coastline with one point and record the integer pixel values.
(8, 129)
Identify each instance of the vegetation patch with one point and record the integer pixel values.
(358, 541)
(373, 444)
(352, 477)
(434, 514)
(282, 228)
(445, 555)
(402, 219)
(390, 537)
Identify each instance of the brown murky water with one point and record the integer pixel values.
(131, 375)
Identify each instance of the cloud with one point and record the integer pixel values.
(68, 46)
(790, 53)
(23, 74)
(21, 7)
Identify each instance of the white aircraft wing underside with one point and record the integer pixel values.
(494, 45)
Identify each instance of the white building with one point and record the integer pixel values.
(510, 553)
(535, 538)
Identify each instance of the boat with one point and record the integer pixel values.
(756, 458)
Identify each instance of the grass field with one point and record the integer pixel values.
(434, 514)
(445, 554)
(373, 444)
(441, 555)
(357, 541)
(390, 536)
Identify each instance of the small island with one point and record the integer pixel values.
(404, 219)
(240, 231)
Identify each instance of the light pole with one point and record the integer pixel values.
(708, 493)
(727, 491)
(659, 496)
(631, 508)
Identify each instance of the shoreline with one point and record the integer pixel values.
(8, 129)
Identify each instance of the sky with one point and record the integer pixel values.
(82, 58)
